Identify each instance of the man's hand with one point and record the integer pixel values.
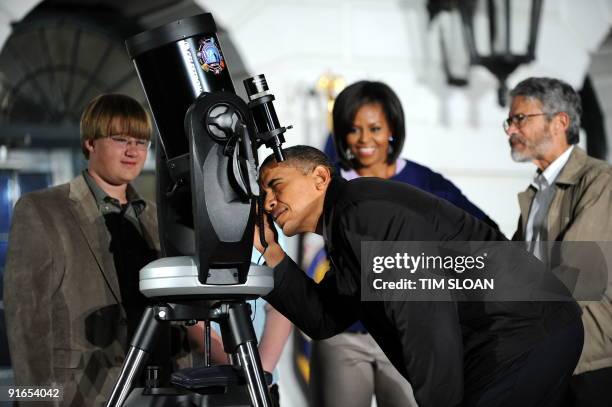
(270, 235)
(274, 254)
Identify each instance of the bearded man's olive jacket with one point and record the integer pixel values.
(65, 321)
(581, 211)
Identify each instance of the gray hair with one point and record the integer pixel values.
(556, 96)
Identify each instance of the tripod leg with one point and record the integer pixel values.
(207, 343)
(140, 347)
(258, 388)
(245, 342)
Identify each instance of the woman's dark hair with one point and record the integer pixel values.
(350, 100)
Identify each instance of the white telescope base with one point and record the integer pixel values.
(178, 276)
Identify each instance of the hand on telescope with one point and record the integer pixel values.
(273, 254)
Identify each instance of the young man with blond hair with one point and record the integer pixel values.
(71, 280)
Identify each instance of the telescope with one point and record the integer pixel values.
(207, 191)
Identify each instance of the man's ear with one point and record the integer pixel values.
(322, 177)
(562, 121)
(89, 145)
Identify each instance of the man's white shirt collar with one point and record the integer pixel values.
(552, 171)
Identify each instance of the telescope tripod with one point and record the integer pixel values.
(202, 386)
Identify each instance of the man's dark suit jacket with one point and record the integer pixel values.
(445, 349)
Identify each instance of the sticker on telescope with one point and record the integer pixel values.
(209, 56)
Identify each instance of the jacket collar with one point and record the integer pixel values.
(345, 281)
(80, 195)
(574, 168)
(93, 228)
(101, 197)
(334, 190)
(569, 175)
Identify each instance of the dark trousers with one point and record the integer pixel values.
(540, 377)
(591, 389)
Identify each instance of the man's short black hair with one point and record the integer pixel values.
(350, 100)
(305, 158)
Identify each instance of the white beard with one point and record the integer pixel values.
(533, 150)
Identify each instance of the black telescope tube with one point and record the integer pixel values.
(176, 63)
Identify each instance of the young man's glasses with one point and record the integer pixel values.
(125, 141)
(519, 119)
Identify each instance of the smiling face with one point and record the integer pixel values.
(113, 163)
(294, 197)
(368, 140)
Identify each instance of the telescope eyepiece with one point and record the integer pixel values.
(256, 87)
